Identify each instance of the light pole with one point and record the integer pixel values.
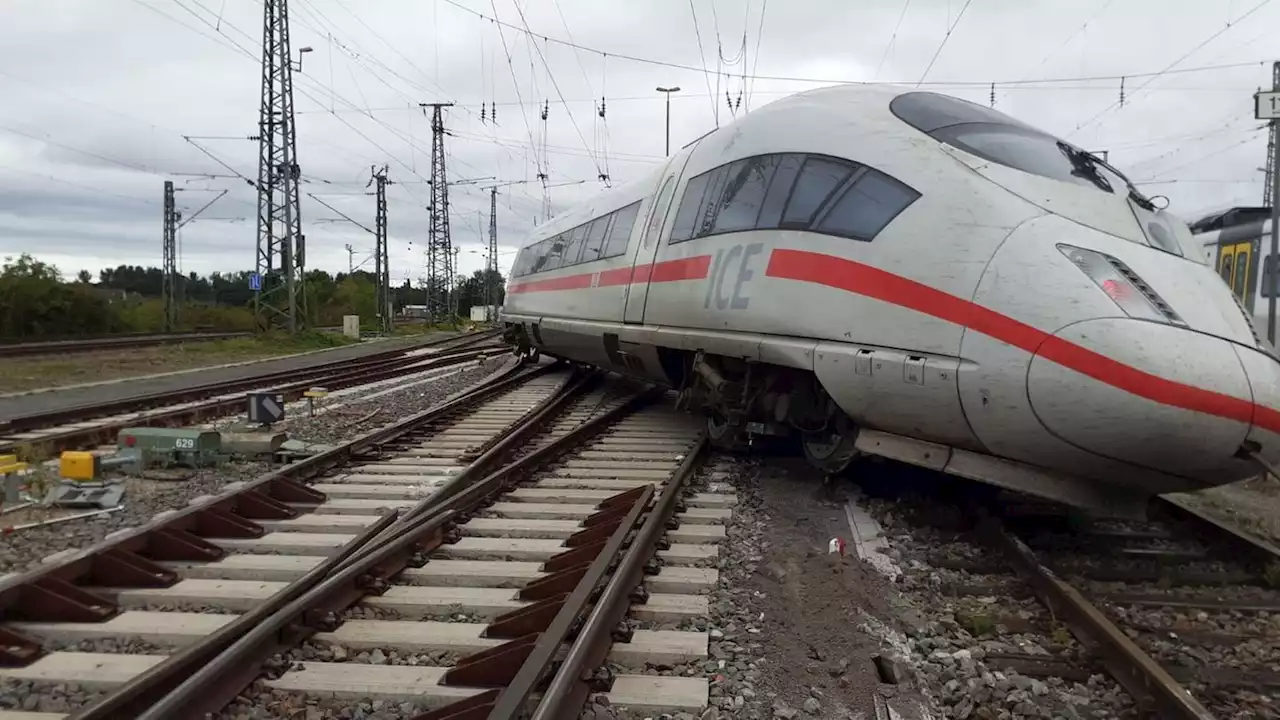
(668, 92)
(306, 49)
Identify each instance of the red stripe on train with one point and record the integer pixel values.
(872, 282)
(694, 268)
(854, 277)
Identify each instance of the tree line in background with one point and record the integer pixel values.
(36, 301)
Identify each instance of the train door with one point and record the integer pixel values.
(655, 222)
(1234, 265)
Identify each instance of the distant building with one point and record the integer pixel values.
(478, 312)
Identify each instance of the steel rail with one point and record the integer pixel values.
(40, 420)
(132, 557)
(567, 693)
(578, 382)
(222, 406)
(1134, 669)
(381, 555)
(501, 666)
(49, 347)
(366, 570)
(148, 687)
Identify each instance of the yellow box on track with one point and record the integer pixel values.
(78, 465)
(9, 464)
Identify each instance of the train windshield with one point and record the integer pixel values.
(996, 137)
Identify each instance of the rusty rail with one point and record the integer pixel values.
(386, 358)
(220, 407)
(568, 691)
(414, 533)
(1134, 669)
(227, 668)
(535, 633)
(54, 592)
(121, 342)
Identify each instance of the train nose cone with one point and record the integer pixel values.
(1146, 393)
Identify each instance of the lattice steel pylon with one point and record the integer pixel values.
(439, 244)
(280, 300)
(382, 263)
(491, 264)
(1268, 179)
(169, 282)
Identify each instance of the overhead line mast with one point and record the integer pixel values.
(279, 296)
(439, 244)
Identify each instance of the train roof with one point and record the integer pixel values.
(1230, 217)
(601, 203)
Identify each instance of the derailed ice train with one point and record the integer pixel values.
(911, 275)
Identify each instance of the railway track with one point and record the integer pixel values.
(1176, 609)
(47, 433)
(484, 556)
(1180, 611)
(120, 342)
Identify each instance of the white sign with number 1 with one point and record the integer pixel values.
(1266, 105)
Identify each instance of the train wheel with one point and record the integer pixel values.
(722, 434)
(831, 451)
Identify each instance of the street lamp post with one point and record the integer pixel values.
(306, 49)
(668, 92)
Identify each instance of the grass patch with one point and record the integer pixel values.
(976, 624)
(30, 373)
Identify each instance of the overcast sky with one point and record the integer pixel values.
(98, 94)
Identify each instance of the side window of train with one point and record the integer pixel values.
(779, 190)
(819, 179)
(597, 232)
(540, 256)
(574, 246)
(690, 208)
(555, 251)
(658, 211)
(746, 184)
(869, 203)
(1267, 285)
(624, 223)
(791, 191)
(1242, 274)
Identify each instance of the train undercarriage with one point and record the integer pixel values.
(746, 403)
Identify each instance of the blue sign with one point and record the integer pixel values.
(255, 281)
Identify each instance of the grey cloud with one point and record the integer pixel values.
(120, 81)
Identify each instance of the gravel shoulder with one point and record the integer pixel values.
(1250, 505)
(787, 618)
(17, 405)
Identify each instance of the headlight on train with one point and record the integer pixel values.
(1135, 297)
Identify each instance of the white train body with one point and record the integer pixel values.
(966, 291)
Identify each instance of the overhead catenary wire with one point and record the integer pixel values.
(755, 56)
(702, 58)
(830, 81)
(943, 44)
(906, 4)
(1168, 69)
(552, 77)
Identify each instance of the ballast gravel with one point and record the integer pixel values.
(143, 499)
(957, 624)
(356, 416)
